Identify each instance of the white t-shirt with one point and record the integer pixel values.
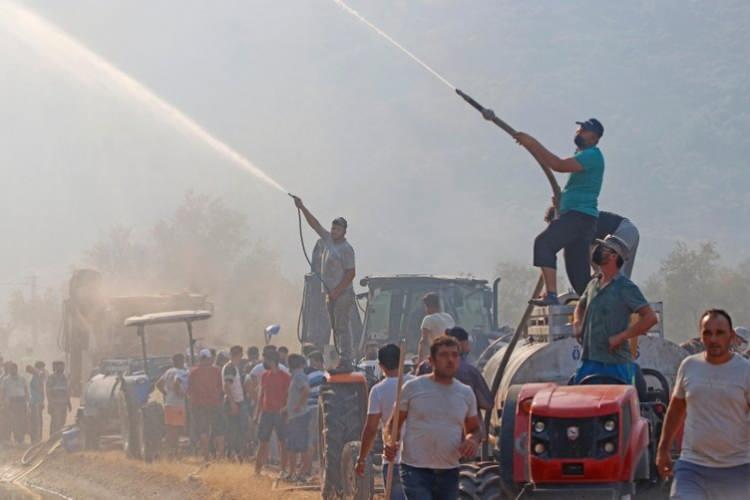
(233, 375)
(382, 399)
(717, 425)
(172, 398)
(437, 324)
(434, 425)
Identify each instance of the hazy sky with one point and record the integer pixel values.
(340, 117)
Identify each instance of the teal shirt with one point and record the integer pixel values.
(608, 313)
(581, 192)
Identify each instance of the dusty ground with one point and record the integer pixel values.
(109, 475)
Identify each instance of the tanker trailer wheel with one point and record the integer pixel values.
(152, 430)
(480, 481)
(130, 426)
(355, 486)
(341, 414)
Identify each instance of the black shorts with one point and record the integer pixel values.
(270, 420)
(574, 232)
(207, 420)
(297, 433)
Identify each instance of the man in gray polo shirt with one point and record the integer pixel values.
(337, 273)
(712, 399)
(602, 316)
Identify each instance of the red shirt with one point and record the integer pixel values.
(275, 386)
(204, 386)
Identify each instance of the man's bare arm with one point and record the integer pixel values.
(545, 157)
(472, 437)
(345, 282)
(578, 314)
(672, 422)
(310, 218)
(647, 318)
(369, 432)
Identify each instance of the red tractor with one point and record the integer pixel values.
(551, 439)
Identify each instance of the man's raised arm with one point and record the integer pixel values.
(310, 218)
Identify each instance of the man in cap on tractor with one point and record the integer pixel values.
(602, 316)
(574, 230)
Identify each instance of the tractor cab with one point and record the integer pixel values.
(394, 309)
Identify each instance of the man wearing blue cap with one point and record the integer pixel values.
(574, 230)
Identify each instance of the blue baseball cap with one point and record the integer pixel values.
(593, 125)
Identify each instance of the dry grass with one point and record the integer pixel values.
(222, 481)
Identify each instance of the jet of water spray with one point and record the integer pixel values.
(395, 43)
(67, 53)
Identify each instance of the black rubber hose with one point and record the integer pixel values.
(522, 324)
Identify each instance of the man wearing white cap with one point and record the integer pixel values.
(602, 316)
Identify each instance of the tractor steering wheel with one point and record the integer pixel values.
(601, 379)
(662, 393)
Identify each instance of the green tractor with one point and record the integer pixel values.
(392, 307)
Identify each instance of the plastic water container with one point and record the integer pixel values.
(71, 440)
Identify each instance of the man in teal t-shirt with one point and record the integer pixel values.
(575, 228)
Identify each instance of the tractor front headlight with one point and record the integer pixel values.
(610, 425)
(539, 426)
(609, 447)
(539, 448)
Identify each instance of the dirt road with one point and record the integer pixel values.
(109, 476)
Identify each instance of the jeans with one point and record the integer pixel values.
(429, 484)
(625, 372)
(35, 421)
(397, 493)
(342, 310)
(237, 430)
(696, 482)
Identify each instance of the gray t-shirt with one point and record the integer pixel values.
(338, 256)
(434, 425)
(294, 396)
(717, 425)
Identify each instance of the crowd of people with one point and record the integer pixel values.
(246, 403)
(24, 397)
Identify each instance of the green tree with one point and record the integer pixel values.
(691, 280)
(204, 247)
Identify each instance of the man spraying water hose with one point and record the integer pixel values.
(574, 230)
(337, 273)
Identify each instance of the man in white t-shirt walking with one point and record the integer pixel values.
(434, 324)
(440, 425)
(712, 399)
(379, 410)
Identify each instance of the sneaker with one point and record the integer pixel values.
(547, 300)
